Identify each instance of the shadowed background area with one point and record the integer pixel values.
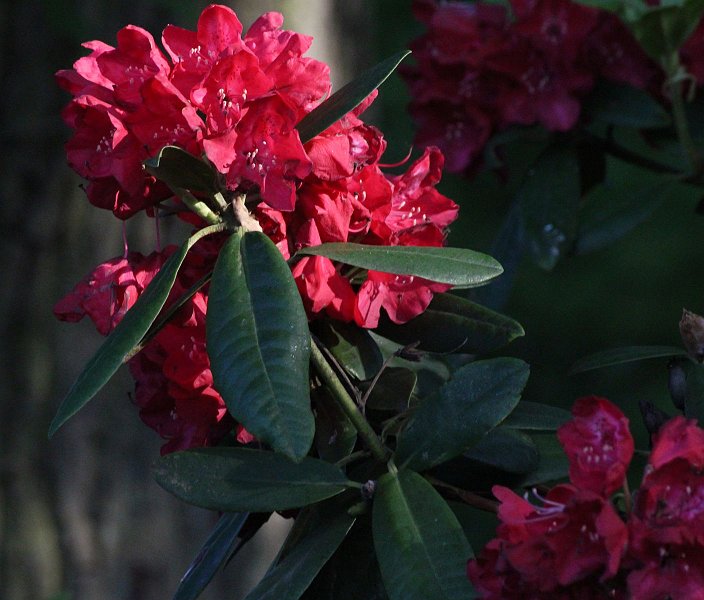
(80, 516)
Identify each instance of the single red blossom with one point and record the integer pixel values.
(543, 90)
(493, 578)
(194, 53)
(107, 293)
(165, 118)
(575, 534)
(598, 444)
(106, 192)
(556, 27)
(267, 153)
(226, 88)
(678, 438)
(347, 146)
(611, 51)
(461, 132)
(300, 82)
(669, 509)
(415, 201)
(677, 577)
(135, 60)
(85, 78)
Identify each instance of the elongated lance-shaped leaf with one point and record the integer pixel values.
(536, 416)
(128, 333)
(259, 344)
(453, 324)
(347, 98)
(618, 356)
(288, 579)
(475, 400)
(212, 556)
(242, 479)
(420, 545)
(455, 266)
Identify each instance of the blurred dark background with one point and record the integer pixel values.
(80, 516)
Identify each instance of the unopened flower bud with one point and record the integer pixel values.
(410, 352)
(653, 417)
(368, 489)
(677, 382)
(692, 332)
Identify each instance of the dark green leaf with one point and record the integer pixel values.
(476, 399)
(614, 208)
(212, 556)
(393, 389)
(618, 356)
(553, 463)
(453, 324)
(259, 344)
(609, 5)
(347, 98)
(335, 436)
(241, 479)
(687, 389)
(506, 449)
(290, 577)
(536, 416)
(549, 200)
(128, 333)
(508, 248)
(661, 30)
(353, 572)
(455, 266)
(626, 106)
(181, 170)
(479, 526)
(352, 347)
(419, 543)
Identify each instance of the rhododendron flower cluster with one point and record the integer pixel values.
(480, 69)
(574, 542)
(235, 101)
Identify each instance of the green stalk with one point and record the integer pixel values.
(329, 377)
(676, 82)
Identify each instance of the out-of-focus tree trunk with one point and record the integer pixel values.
(81, 514)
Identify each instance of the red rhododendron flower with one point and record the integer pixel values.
(236, 101)
(678, 438)
(598, 444)
(479, 70)
(667, 533)
(106, 294)
(573, 537)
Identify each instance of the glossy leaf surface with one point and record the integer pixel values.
(259, 344)
(475, 400)
(420, 545)
(241, 479)
(626, 354)
(289, 578)
(347, 98)
(213, 555)
(454, 266)
(454, 324)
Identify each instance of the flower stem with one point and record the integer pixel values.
(327, 374)
(677, 80)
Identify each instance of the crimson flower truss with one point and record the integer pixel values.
(311, 347)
